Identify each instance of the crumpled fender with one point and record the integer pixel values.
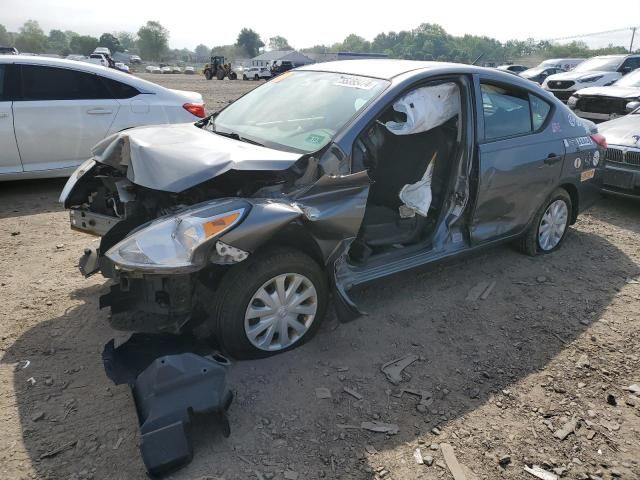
(331, 211)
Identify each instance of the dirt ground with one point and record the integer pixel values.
(557, 339)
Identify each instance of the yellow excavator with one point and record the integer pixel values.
(219, 69)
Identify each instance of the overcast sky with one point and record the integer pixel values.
(217, 22)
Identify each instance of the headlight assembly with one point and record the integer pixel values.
(590, 79)
(178, 243)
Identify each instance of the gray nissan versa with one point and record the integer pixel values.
(245, 224)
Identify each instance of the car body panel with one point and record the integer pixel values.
(9, 155)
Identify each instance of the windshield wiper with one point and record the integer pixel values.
(236, 136)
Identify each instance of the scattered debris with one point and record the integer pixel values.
(435, 431)
(540, 473)
(611, 400)
(37, 416)
(58, 450)
(504, 460)
(118, 443)
(541, 279)
(322, 392)
(393, 369)
(59, 246)
(259, 476)
(15, 234)
(583, 361)
(633, 389)
(25, 364)
(417, 455)
(632, 401)
(31, 380)
(380, 427)
(481, 291)
(452, 462)
(353, 393)
(428, 460)
(567, 429)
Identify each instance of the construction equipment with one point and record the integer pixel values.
(219, 69)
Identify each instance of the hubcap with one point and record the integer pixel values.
(553, 225)
(280, 312)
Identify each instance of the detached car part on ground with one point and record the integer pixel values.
(325, 178)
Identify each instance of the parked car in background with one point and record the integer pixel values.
(176, 69)
(622, 160)
(53, 111)
(606, 103)
(166, 69)
(539, 74)
(565, 64)
(8, 51)
(515, 69)
(98, 59)
(153, 69)
(243, 224)
(77, 58)
(256, 73)
(189, 70)
(102, 51)
(135, 59)
(595, 72)
(122, 67)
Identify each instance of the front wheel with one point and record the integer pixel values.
(549, 227)
(269, 304)
(256, 77)
(207, 74)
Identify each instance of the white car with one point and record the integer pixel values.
(166, 69)
(189, 70)
(153, 69)
(98, 59)
(122, 67)
(256, 73)
(57, 110)
(595, 72)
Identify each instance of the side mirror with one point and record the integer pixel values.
(631, 106)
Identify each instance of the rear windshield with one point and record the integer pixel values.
(299, 111)
(602, 64)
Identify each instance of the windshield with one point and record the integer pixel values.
(603, 64)
(300, 111)
(629, 80)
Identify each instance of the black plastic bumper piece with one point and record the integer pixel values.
(167, 393)
(170, 384)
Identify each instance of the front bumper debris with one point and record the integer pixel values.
(167, 391)
(90, 222)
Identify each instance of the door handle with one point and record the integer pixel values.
(99, 111)
(552, 158)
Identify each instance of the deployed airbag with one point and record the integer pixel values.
(426, 108)
(417, 196)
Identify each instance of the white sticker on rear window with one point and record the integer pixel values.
(355, 82)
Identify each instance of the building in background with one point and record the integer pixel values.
(267, 59)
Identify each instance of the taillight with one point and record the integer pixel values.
(599, 139)
(196, 109)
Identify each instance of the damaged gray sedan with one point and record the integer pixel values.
(244, 225)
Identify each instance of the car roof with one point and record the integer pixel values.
(388, 69)
(87, 67)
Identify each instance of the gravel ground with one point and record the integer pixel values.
(557, 340)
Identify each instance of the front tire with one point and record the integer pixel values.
(271, 303)
(207, 74)
(549, 227)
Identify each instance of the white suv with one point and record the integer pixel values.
(256, 73)
(595, 72)
(53, 111)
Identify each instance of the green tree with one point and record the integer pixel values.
(31, 38)
(250, 41)
(354, 43)
(279, 43)
(153, 40)
(5, 38)
(58, 42)
(127, 40)
(111, 42)
(83, 44)
(202, 52)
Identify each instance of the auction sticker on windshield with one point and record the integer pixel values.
(355, 82)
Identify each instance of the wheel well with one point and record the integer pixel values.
(575, 199)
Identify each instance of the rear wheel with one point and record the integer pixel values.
(549, 227)
(269, 304)
(256, 77)
(220, 74)
(208, 75)
(233, 76)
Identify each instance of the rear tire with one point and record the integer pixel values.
(207, 74)
(256, 77)
(549, 226)
(233, 76)
(235, 301)
(220, 74)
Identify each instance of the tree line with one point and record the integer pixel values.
(426, 42)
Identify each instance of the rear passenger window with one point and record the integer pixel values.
(51, 83)
(119, 89)
(539, 111)
(506, 112)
